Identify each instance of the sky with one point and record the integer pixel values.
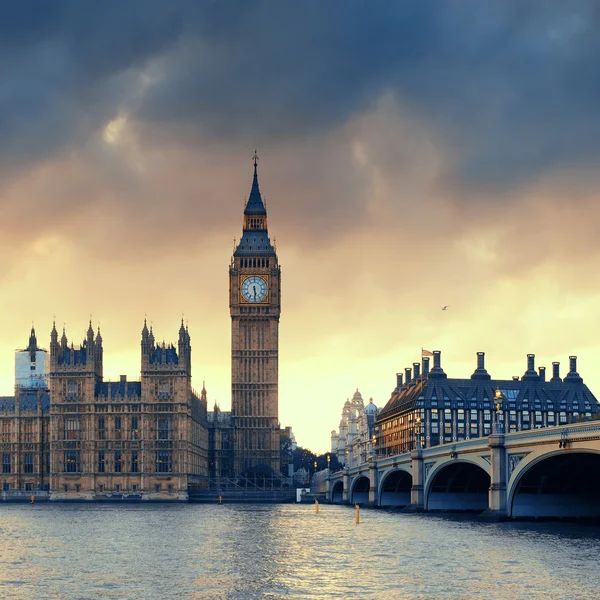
(413, 155)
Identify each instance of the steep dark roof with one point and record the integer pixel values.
(72, 356)
(113, 389)
(166, 355)
(255, 205)
(529, 392)
(7, 403)
(29, 401)
(255, 243)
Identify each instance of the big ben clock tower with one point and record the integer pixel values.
(255, 305)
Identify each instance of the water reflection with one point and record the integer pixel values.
(288, 551)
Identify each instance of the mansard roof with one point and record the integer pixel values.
(529, 392)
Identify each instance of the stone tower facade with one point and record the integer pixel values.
(255, 306)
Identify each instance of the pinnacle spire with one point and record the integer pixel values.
(255, 205)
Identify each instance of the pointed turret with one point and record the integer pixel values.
(90, 332)
(63, 340)
(32, 347)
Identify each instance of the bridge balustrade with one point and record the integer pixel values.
(548, 472)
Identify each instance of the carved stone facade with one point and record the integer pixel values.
(144, 439)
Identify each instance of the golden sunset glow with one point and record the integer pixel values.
(383, 211)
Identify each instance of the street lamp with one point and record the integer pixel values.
(418, 426)
(373, 444)
(315, 465)
(328, 461)
(498, 398)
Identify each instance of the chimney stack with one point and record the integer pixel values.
(555, 371)
(437, 359)
(531, 373)
(531, 362)
(398, 380)
(417, 370)
(573, 375)
(572, 364)
(407, 374)
(481, 360)
(425, 366)
(542, 372)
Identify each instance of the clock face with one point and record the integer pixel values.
(254, 288)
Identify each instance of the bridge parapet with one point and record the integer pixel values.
(505, 458)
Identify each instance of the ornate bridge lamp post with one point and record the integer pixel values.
(373, 446)
(499, 425)
(418, 431)
(328, 482)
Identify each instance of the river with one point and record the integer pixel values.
(212, 552)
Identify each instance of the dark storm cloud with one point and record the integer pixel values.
(513, 86)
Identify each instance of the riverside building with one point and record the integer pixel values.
(428, 408)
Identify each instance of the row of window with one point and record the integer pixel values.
(29, 487)
(575, 405)
(248, 263)
(163, 462)
(460, 415)
(28, 463)
(164, 429)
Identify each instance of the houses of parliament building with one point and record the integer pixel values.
(71, 434)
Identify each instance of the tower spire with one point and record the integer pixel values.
(255, 206)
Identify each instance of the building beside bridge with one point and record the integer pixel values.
(427, 408)
(352, 443)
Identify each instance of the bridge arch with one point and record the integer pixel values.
(394, 487)
(458, 485)
(360, 490)
(556, 484)
(337, 492)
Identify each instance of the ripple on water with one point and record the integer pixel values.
(252, 552)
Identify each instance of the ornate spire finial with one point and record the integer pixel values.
(255, 158)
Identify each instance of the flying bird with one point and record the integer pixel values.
(445, 307)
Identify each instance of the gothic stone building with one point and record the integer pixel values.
(144, 438)
(429, 408)
(24, 422)
(69, 431)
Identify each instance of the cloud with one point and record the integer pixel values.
(419, 155)
(511, 86)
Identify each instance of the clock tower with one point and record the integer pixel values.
(255, 306)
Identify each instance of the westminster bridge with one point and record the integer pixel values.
(550, 472)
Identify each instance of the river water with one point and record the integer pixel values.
(244, 552)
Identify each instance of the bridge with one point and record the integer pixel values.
(549, 472)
